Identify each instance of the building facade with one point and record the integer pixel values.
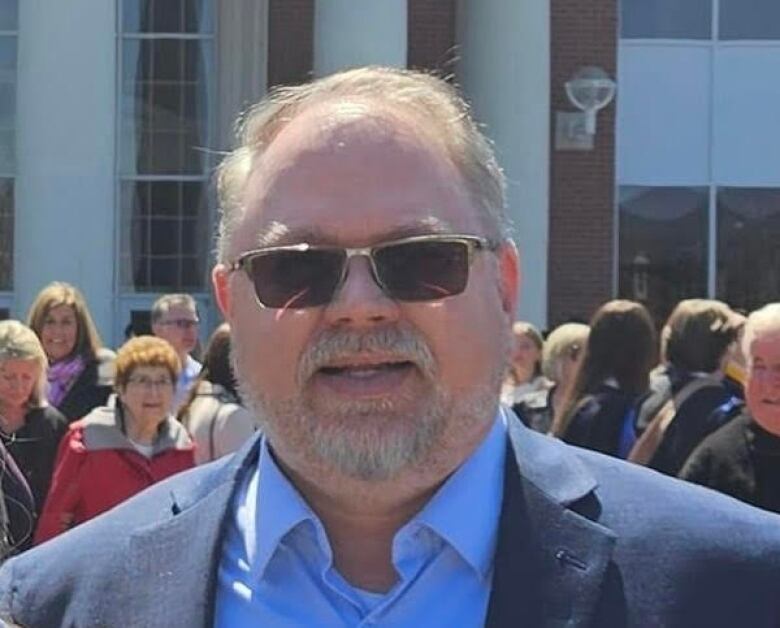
(114, 113)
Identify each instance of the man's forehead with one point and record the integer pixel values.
(277, 233)
(766, 340)
(178, 310)
(356, 178)
(328, 134)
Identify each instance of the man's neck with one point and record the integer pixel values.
(361, 520)
(362, 517)
(12, 418)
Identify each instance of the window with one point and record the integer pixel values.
(748, 250)
(693, 19)
(666, 19)
(8, 36)
(663, 245)
(749, 19)
(166, 129)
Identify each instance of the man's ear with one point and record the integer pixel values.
(220, 279)
(509, 277)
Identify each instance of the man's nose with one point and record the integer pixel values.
(360, 299)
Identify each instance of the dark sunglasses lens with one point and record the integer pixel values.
(423, 271)
(295, 279)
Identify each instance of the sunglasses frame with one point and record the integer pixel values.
(473, 244)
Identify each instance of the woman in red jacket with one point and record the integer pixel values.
(115, 452)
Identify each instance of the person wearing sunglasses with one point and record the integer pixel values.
(117, 451)
(174, 317)
(365, 268)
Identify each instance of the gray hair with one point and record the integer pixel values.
(559, 344)
(424, 96)
(765, 319)
(19, 342)
(164, 304)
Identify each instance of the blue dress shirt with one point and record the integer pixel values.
(277, 564)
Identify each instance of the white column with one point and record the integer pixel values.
(349, 34)
(65, 151)
(242, 58)
(504, 68)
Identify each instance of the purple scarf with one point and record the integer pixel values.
(61, 376)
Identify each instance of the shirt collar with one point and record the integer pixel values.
(465, 511)
(280, 508)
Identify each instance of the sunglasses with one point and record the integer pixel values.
(418, 268)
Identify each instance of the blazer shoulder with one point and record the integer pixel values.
(85, 564)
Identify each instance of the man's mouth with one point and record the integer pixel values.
(365, 370)
(365, 378)
(771, 402)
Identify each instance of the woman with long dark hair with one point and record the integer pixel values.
(612, 378)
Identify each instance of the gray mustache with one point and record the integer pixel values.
(396, 343)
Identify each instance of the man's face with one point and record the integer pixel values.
(366, 384)
(179, 326)
(762, 392)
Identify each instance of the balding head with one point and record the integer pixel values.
(425, 101)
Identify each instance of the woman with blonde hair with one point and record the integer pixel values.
(525, 371)
(80, 371)
(29, 427)
(116, 452)
(560, 357)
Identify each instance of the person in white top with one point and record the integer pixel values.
(212, 412)
(174, 318)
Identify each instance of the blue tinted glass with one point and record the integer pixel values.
(666, 19)
(663, 246)
(749, 19)
(9, 15)
(748, 254)
(7, 57)
(167, 16)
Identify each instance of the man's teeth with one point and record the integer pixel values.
(367, 370)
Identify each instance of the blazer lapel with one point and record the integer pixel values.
(172, 566)
(551, 559)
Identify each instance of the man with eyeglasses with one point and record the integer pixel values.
(365, 267)
(174, 317)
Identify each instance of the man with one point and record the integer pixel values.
(174, 318)
(366, 272)
(742, 458)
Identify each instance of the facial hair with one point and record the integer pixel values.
(367, 439)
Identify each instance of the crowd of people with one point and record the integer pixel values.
(83, 428)
(701, 403)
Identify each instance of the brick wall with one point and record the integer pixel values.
(290, 41)
(431, 35)
(582, 184)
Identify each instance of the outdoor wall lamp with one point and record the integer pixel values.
(589, 90)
